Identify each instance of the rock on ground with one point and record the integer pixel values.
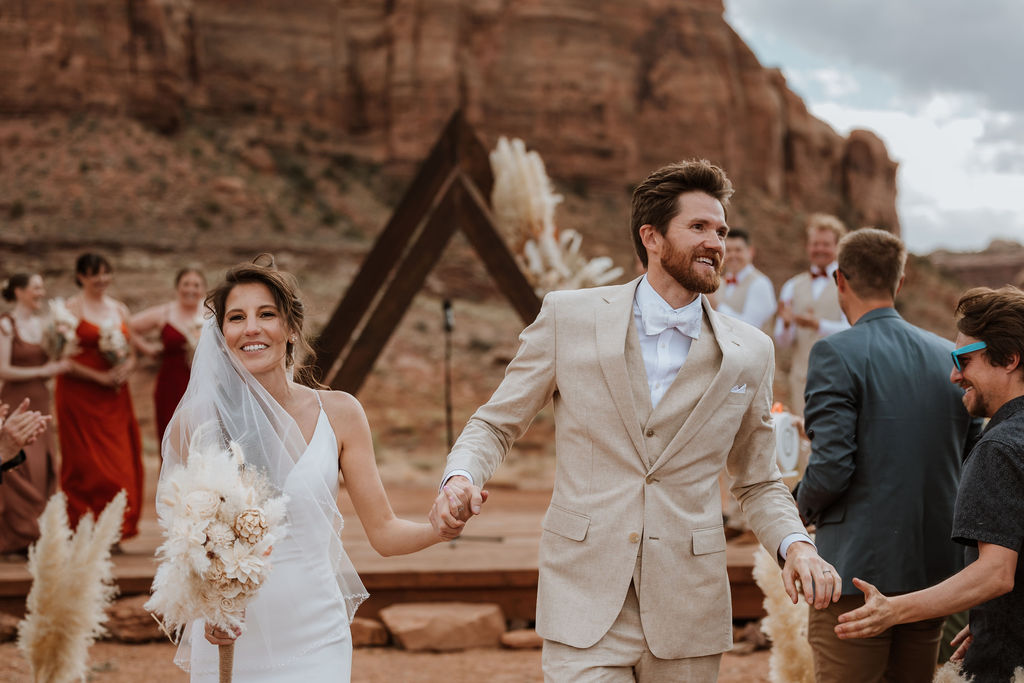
(444, 626)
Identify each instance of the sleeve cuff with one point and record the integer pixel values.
(459, 473)
(790, 540)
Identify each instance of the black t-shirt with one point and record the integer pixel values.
(990, 509)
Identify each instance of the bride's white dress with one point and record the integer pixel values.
(296, 627)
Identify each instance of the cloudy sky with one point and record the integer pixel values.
(939, 80)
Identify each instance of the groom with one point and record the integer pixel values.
(654, 393)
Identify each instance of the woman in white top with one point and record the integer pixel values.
(244, 376)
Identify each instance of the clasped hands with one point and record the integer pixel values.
(458, 500)
(789, 317)
(21, 428)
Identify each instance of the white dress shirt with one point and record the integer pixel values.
(784, 336)
(664, 352)
(760, 304)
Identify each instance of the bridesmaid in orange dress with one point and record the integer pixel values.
(25, 370)
(101, 452)
(178, 323)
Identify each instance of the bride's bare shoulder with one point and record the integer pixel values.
(342, 405)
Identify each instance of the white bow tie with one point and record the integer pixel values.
(687, 320)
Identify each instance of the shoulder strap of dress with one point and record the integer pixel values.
(315, 391)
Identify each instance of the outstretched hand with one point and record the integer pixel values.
(877, 614)
(455, 504)
(819, 580)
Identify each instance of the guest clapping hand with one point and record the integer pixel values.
(19, 429)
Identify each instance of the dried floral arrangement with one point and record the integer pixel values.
(72, 585)
(523, 201)
(220, 520)
(791, 660)
(113, 345)
(60, 337)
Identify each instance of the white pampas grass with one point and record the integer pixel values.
(220, 521)
(523, 202)
(72, 585)
(950, 672)
(791, 660)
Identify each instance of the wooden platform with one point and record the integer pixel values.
(495, 561)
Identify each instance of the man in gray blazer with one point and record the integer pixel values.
(888, 433)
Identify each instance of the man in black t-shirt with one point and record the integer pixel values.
(989, 514)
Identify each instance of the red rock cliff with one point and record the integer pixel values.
(606, 90)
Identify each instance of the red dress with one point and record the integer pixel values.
(101, 452)
(26, 488)
(172, 378)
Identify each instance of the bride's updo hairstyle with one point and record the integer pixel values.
(287, 298)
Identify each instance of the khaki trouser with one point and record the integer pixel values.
(622, 655)
(903, 654)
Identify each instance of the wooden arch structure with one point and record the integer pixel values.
(450, 191)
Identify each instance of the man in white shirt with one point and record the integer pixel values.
(809, 304)
(748, 294)
(655, 394)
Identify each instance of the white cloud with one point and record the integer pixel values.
(933, 80)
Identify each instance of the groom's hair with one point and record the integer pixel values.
(656, 199)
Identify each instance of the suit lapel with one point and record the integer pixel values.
(613, 320)
(717, 390)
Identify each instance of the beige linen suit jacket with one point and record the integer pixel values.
(631, 481)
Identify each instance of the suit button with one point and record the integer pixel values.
(649, 433)
(634, 537)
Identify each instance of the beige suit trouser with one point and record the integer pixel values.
(905, 653)
(622, 655)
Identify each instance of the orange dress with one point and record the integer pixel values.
(101, 451)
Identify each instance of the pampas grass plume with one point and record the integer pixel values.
(72, 585)
(790, 660)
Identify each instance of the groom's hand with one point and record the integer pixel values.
(819, 580)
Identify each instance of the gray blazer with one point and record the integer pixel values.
(888, 432)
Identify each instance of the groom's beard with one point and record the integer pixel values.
(693, 276)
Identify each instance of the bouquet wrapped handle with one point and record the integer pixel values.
(227, 661)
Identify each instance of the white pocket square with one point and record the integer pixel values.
(739, 389)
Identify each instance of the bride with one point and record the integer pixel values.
(245, 378)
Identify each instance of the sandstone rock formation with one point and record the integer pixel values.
(1001, 263)
(606, 90)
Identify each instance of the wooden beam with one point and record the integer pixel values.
(391, 242)
(478, 225)
(409, 271)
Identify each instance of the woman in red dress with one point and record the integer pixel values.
(101, 452)
(178, 323)
(25, 370)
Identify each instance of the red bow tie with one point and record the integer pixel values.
(817, 272)
(731, 280)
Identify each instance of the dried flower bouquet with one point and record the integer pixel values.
(220, 519)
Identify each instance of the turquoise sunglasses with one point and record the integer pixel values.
(956, 353)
